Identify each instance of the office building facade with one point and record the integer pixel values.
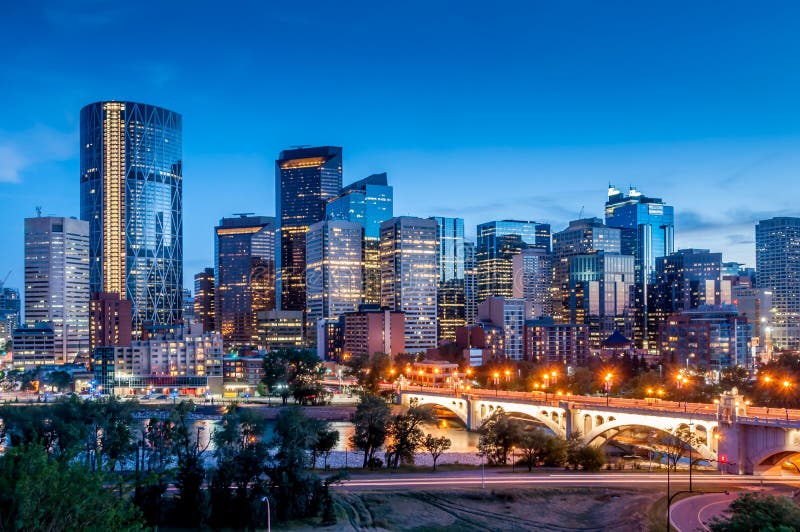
(334, 271)
(498, 242)
(204, 296)
(509, 315)
(533, 280)
(57, 282)
(370, 202)
(132, 196)
(305, 179)
(280, 329)
(470, 283)
(409, 277)
(244, 276)
(648, 233)
(451, 305)
(110, 321)
(778, 270)
(372, 330)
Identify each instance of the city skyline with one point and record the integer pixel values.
(549, 130)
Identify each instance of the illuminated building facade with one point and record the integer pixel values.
(509, 315)
(57, 282)
(131, 195)
(305, 179)
(371, 330)
(204, 290)
(9, 313)
(533, 280)
(498, 242)
(109, 320)
(587, 235)
(244, 276)
(280, 329)
(601, 288)
(778, 267)
(334, 272)
(470, 283)
(551, 343)
(648, 233)
(410, 277)
(451, 293)
(369, 202)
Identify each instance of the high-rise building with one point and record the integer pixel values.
(244, 276)
(204, 299)
(132, 196)
(34, 345)
(551, 343)
(755, 304)
(334, 272)
(369, 202)
(57, 282)
(533, 280)
(305, 179)
(601, 294)
(451, 306)
(778, 270)
(584, 236)
(685, 280)
(508, 314)
(188, 306)
(9, 313)
(409, 277)
(498, 242)
(648, 228)
(470, 284)
(109, 321)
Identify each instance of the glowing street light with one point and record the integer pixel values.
(608, 378)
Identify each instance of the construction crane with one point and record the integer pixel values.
(3, 283)
(580, 214)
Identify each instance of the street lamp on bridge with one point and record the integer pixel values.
(607, 384)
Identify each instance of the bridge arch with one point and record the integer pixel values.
(771, 459)
(599, 431)
(542, 420)
(459, 407)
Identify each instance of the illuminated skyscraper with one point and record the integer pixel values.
(131, 195)
(368, 201)
(57, 282)
(244, 276)
(533, 280)
(335, 271)
(409, 277)
(204, 299)
(470, 284)
(451, 307)
(648, 228)
(305, 179)
(498, 242)
(778, 270)
(587, 235)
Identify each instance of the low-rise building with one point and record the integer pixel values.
(34, 345)
(547, 342)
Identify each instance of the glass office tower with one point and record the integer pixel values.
(778, 270)
(369, 202)
(409, 277)
(498, 242)
(204, 299)
(451, 307)
(648, 227)
(131, 195)
(244, 276)
(335, 274)
(470, 284)
(305, 179)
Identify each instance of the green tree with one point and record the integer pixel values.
(39, 493)
(532, 443)
(589, 458)
(59, 380)
(759, 512)
(371, 423)
(327, 439)
(498, 434)
(369, 371)
(436, 446)
(406, 436)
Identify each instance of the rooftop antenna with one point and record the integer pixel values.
(38, 211)
(243, 214)
(580, 214)
(299, 146)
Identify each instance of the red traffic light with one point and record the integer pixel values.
(723, 458)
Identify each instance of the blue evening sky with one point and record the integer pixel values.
(483, 110)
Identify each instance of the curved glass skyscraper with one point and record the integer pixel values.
(131, 195)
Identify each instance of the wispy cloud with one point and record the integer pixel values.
(23, 151)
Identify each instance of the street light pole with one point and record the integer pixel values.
(269, 523)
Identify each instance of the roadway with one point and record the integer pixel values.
(502, 477)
